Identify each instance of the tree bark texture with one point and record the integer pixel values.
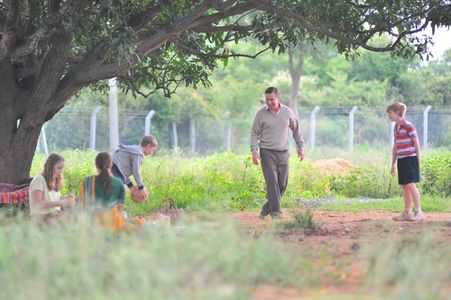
(296, 58)
(26, 104)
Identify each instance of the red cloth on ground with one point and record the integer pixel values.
(13, 194)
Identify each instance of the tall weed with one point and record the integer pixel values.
(202, 261)
(225, 181)
(408, 269)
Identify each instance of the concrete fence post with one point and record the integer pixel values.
(425, 126)
(313, 126)
(351, 127)
(229, 135)
(392, 135)
(92, 140)
(148, 122)
(44, 141)
(113, 114)
(175, 143)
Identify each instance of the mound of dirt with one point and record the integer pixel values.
(333, 165)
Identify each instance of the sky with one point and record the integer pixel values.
(442, 42)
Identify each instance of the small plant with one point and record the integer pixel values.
(303, 219)
(229, 182)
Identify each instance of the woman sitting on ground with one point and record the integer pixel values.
(45, 198)
(103, 195)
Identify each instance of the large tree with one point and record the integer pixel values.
(51, 49)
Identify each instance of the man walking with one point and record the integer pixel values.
(270, 135)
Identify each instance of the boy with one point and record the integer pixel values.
(406, 156)
(127, 160)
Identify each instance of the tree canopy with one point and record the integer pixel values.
(51, 49)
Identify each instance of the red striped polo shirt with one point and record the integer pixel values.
(404, 139)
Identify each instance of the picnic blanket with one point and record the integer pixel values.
(14, 195)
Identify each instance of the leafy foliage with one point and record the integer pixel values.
(231, 182)
(436, 174)
(365, 181)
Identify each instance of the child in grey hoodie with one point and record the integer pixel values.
(127, 160)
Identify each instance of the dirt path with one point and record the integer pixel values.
(343, 234)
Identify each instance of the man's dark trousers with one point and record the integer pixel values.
(275, 170)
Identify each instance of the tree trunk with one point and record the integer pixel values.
(18, 136)
(16, 158)
(293, 104)
(23, 111)
(296, 70)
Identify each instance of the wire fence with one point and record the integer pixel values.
(332, 127)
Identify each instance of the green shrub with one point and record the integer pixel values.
(436, 174)
(303, 219)
(225, 181)
(364, 181)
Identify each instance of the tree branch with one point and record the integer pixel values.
(30, 11)
(32, 43)
(226, 28)
(233, 55)
(136, 89)
(68, 86)
(141, 21)
(220, 15)
(157, 87)
(52, 68)
(400, 21)
(320, 29)
(96, 72)
(9, 35)
(90, 70)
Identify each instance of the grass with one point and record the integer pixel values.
(210, 258)
(201, 261)
(419, 268)
(395, 204)
(228, 182)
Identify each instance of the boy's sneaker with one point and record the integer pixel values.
(418, 216)
(405, 216)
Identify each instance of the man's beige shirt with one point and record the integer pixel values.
(270, 130)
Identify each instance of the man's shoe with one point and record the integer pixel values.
(405, 216)
(418, 216)
(263, 214)
(276, 215)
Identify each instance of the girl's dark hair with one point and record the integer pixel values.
(57, 183)
(103, 164)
